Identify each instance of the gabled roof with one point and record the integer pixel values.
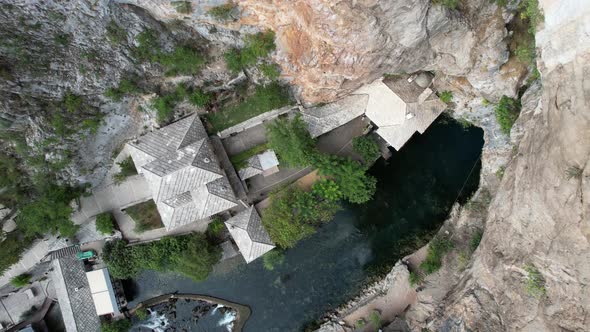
(258, 164)
(183, 172)
(249, 234)
(323, 119)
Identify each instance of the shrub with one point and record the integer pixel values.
(366, 147)
(141, 313)
(199, 98)
(355, 185)
(507, 112)
(12, 248)
(222, 12)
(104, 223)
(264, 99)
(233, 60)
(126, 87)
(121, 325)
(115, 33)
(451, 4)
(62, 39)
(72, 102)
(291, 141)
(270, 70)
(535, 285)
(215, 228)
(526, 53)
(375, 318)
(437, 249)
(257, 46)
(182, 60)
(127, 169)
(92, 124)
(164, 108)
(272, 259)
(20, 280)
(293, 215)
(500, 172)
(148, 47)
(475, 240)
(446, 97)
(183, 7)
(360, 323)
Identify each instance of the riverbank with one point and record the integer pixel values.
(243, 312)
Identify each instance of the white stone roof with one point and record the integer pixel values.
(182, 172)
(258, 164)
(323, 119)
(102, 292)
(400, 108)
(249, 234)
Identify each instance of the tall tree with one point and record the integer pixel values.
(290, 139)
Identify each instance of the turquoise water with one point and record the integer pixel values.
(416, 190)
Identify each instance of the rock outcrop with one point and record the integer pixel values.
(539, 218)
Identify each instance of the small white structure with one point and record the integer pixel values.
(401, 106)
(249, 234)
(102, 292)
(265, 163)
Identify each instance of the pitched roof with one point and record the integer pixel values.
(258, 164)
(323, 119)
(183, 172)
(249, 234)
(73, 292)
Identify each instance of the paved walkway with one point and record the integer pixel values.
(245, 140)
(13, 307)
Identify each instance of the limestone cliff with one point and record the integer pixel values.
(539, 218)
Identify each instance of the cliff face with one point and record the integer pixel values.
(539, 219)
(330, 47)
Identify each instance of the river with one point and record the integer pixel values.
(416, 189)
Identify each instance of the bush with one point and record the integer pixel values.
(529, 10)
(272, 259)
(355, 185)
(293, 215)
(264, 99)
(199, 98)
(507, 112)
(535, 285)
(104, 223)
(475, 240)
(437, 249)
(182, 60)
(446, 97)
(20, 280)
(415, 279)
(291, 141)
(222, 12)
(127, 169)
(62, 39)
(257, 46)
(13, 247)
(115, 33)
(121, 325)
(375, 318)
(148, 47)
(327, 189)
(215, 228)
(366, 147)
(190, 255)
(164, 108)
(240, 160)
(141, 313)
(72, 102)
(182, 7)
(126, 87)
(271, 71)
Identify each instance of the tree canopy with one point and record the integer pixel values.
(290, 139)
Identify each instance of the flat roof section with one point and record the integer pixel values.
(102, 292)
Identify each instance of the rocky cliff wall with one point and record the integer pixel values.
(539, 218)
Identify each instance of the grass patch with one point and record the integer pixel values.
(239, 160)
(535, 284)
(127, 86)
(115, 33)
(264, 99)
(199, 98)
(257, 46)
(366, 147)
(415, 279)
(222, 12)
(145, 215)
(507, 111)
(127, 169)
(270, 70)
(182, 60)
(437, 250)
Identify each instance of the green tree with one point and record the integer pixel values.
(104, 223)
(366, 147)
(49, 213)
(12, 248)
(350, 176)
(327, 189)
(120, 260)
(272, 259)
(121, 325)
(198, 258)
(20, 280)
(291, 141)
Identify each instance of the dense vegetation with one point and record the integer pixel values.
(104, 223)
(264, 99)
(191, 255)
(256, 46)
(507, 112)
(366, 147)
(291, 141)
(294, 214)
